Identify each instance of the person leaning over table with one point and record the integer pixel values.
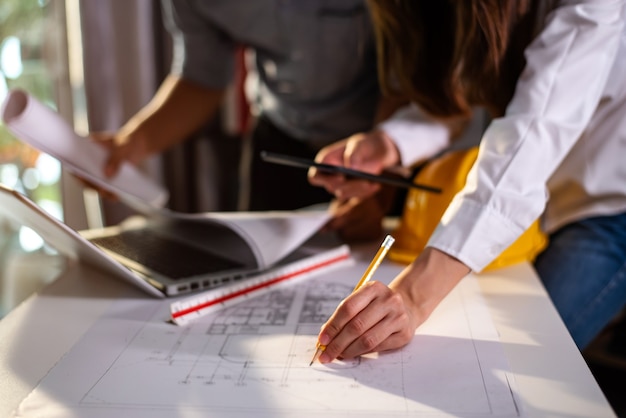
(317, 83)
(553, 76)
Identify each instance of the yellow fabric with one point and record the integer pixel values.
(423, 210)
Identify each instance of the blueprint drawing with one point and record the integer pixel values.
(252, 359)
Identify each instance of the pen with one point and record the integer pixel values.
(369, 272)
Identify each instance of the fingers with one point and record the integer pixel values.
(103, 138)
(332, 154)
(330, 182)
(121, 147)
(371, 319)
(361, 151)
(360, 189)
(371, 152)
(114, 158)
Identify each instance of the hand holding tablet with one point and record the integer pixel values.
(336, 169)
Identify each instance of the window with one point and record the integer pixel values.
(31, 41)
(33, 57)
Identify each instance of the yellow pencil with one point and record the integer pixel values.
(369, 272)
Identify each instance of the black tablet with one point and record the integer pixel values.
(336, 169)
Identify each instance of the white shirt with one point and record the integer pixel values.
(559, 151)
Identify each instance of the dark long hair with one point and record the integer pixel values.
(448, 55)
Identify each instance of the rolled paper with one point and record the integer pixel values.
(44, 129)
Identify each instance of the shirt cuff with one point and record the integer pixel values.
(466, 232)
(416, 136)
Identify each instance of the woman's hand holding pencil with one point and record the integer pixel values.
(378, 317)
(324, 337)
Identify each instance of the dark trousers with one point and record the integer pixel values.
(278, 187)
(584, 271)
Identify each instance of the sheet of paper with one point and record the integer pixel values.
(253, 360)
(271, 235)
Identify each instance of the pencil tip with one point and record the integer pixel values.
(318, 351)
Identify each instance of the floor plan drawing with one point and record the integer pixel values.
(252, 359)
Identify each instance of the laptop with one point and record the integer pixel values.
(164, 252)
(176, 256)
(169, 254)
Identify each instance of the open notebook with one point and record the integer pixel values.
(243, 245)
(165, 253)
(180, 253)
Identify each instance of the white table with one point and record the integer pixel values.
(551, 375)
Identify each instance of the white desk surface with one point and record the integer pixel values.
(552, 377)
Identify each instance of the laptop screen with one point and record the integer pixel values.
(168, 256)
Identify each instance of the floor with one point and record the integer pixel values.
(606, 358)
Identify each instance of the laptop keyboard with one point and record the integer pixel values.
(167, 256)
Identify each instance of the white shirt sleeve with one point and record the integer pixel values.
(416, 136)
(557, 93)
